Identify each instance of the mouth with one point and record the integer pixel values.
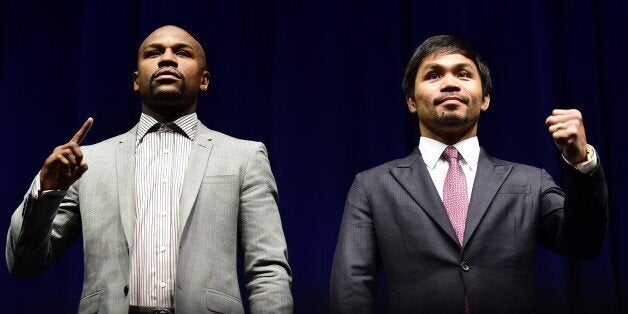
(166, 75)
(451, 101)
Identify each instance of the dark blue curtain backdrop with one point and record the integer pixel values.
(319, 83)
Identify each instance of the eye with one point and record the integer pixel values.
(432, 75)
(153, 53)
(464, 74)
(184, 53)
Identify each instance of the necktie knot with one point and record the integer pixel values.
(166, 127)
(450, 153)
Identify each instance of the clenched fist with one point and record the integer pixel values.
(567, 129)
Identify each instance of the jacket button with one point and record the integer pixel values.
(464, 266)
(126, 290)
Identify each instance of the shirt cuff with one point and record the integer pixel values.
(37, 193)
(588, 165)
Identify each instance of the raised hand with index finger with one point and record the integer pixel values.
(65, 164)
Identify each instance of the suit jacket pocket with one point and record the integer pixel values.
(90, 303)
(219, 179)
(218, 302)
(514, 189)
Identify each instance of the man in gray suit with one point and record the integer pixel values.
(453, 228)
(163, 208)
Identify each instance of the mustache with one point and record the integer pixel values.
(439, 100)
(169, 70)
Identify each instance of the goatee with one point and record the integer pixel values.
(451, 120)
(167, 95)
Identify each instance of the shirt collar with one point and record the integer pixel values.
(185, 125)
(431, 151)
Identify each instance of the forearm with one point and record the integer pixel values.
(42, 228)
(28, 239)
(585, 211)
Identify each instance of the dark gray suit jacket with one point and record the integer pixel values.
(395, 219)
(228, 200)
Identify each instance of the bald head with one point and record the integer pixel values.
(170, 73)
(169, 34)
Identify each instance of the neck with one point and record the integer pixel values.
(449, 136)
(165, 113)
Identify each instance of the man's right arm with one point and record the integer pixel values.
(42, 228)
(356, 261)
(48, 220)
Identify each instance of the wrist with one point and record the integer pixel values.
(590, 154)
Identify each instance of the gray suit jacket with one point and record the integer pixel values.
(394, 219)
(229, 202)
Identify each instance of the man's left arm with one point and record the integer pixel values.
(266, 270)
(585, 204)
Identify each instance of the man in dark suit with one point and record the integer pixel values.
(453, 228)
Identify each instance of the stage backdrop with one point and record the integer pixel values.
(319, 83)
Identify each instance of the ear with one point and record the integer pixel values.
(204, 81)
(485, 102)
(411, 105)
(136, 85)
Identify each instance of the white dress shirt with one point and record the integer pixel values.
(469, 152)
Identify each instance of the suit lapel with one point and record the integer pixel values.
(414, 177)
(125, 175)
(489, 177)
(197, 163)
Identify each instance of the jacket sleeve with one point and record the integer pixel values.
(266, 270)
(356, 260)
(41, 230)
(574, 222)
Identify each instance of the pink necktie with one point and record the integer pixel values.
(455, 193)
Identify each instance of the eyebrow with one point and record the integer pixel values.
(161, 46)
(463, 65)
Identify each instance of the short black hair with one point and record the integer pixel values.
(444, 44)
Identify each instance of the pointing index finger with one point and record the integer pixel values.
(80, 134)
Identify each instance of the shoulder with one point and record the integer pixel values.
(229, 141)
(384, 169)
(229, 151)
(515, 166)
(228, 144)
(518, 173)
(382, 173)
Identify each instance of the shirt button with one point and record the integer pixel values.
(162, 213)
(166, 150)
(164, 180)
(162, 248)
(163, 284)
(464, 266)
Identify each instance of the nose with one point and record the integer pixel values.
(449, 83)
(168, 58)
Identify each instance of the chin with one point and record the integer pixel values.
(167, 96)
(452, 121)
